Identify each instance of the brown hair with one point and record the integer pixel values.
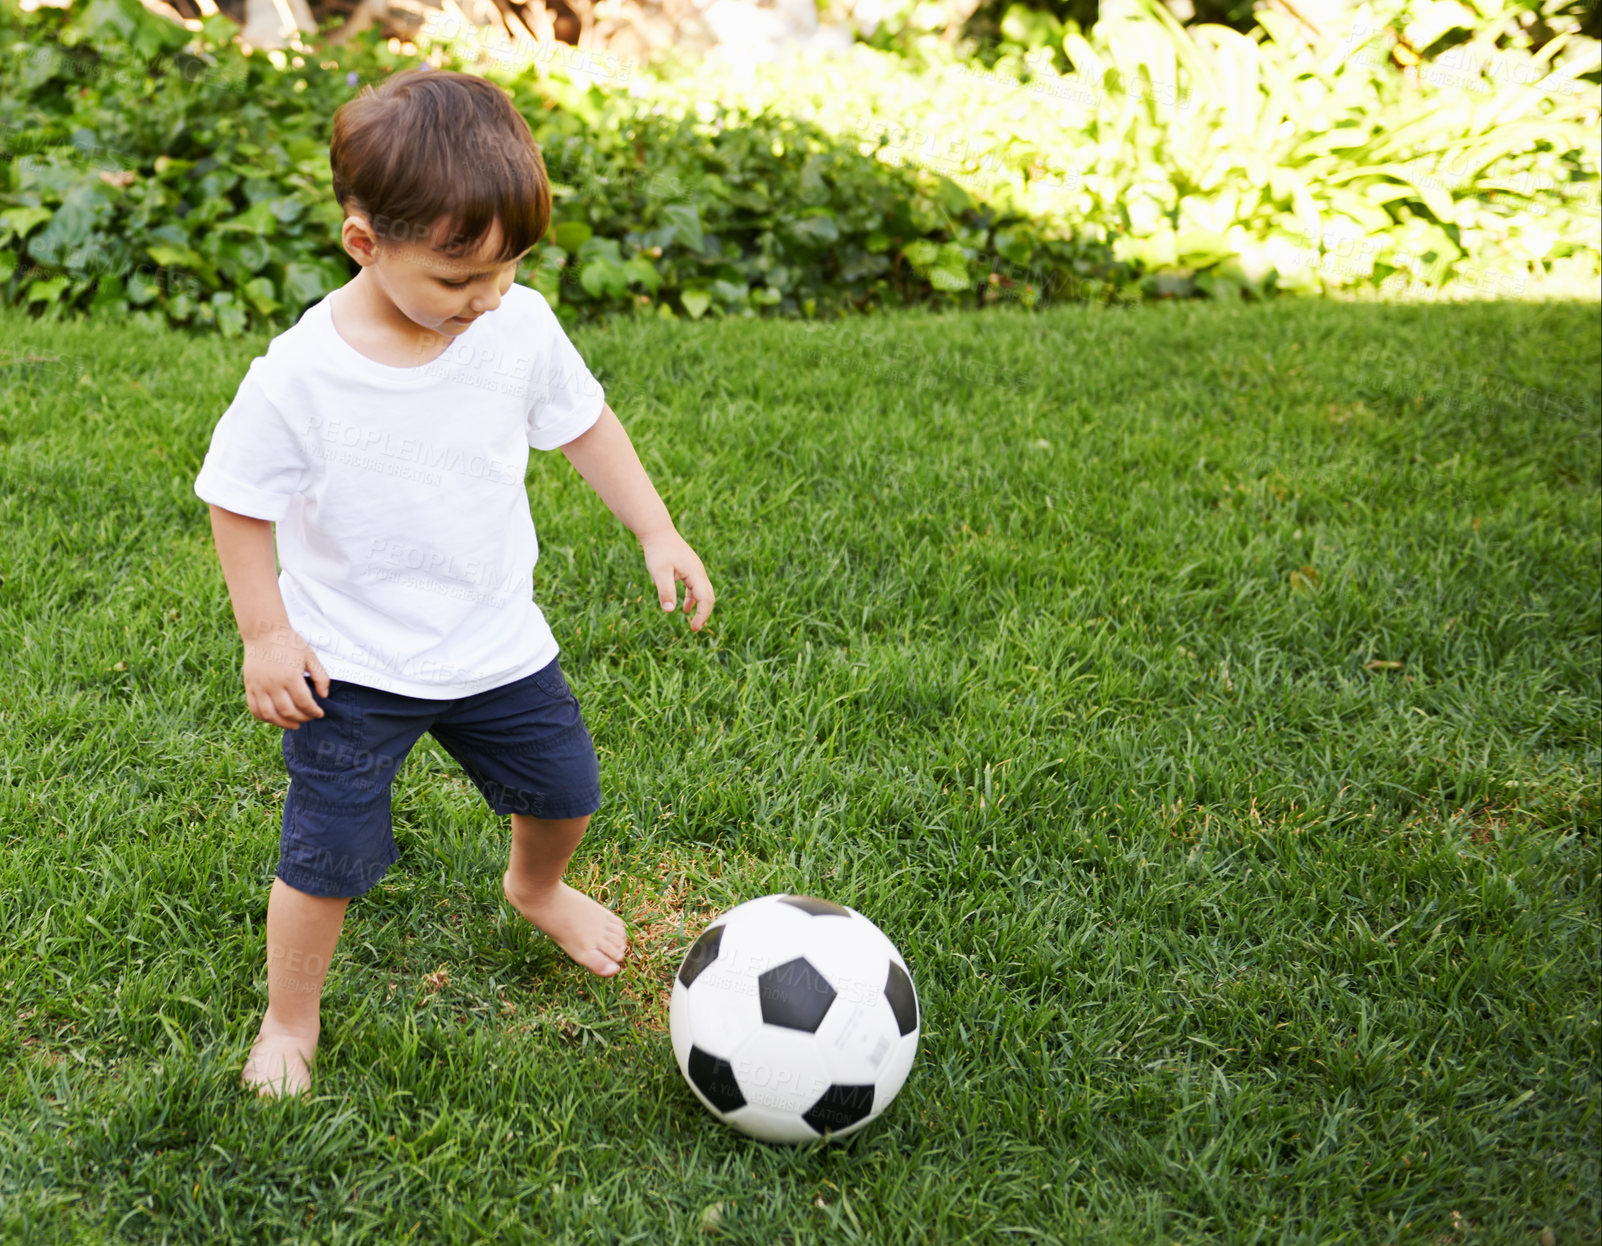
(432, 144)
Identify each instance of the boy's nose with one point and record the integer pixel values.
(486, 302)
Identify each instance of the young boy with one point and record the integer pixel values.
(386, 435)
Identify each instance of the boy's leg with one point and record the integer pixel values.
(586, 930)
(301, 933)
(526, 747)
(336, 843)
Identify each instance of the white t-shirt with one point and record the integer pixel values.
(405, 544)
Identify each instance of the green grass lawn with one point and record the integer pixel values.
(1205, 699)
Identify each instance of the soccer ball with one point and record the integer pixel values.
(794, 1019)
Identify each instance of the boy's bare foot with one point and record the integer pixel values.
(587, 931)
(279, 1064)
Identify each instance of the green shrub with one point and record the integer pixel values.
(1231, 165)
(1321, 169)
(161, 175)
(168, 177)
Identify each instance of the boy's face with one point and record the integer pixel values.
(435, 291)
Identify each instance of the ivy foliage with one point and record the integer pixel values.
(162, 174)
(168, 176)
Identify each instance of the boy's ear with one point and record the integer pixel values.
(356, 235)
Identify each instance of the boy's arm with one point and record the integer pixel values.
(276, 658)
(605, 457)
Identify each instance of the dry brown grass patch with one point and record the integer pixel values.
(665, 906)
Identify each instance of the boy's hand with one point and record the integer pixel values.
(669, 559)
(276, 666)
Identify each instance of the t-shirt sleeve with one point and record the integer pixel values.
(256, 464)
(565, 399)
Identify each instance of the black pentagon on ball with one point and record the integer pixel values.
(794, 995)
(714, 1078)
(840, 1108)
(815, 906)
(903, 999)
(701, 954)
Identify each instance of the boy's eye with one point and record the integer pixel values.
(454, 285)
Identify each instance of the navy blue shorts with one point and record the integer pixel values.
(524, 744)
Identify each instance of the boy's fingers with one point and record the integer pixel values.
(302, 705)
(319, 677)
(263, 710)
(281, 707)
(289, 711)
(700, 591)
(267, 712)
(667, 591)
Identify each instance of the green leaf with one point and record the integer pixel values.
(571, 235)
(129, 25)
(696, 300)
(1364, 206)
(1198, 248)
(169, 256)
(606, 249)
(601, 277)
(305, 283)
(259, 293)
(1217, 286)
(1426, 186)
(286, 209)
(216, 183)
(142, 287)
(71, 226)
(815, 231)
(684, 219)
(950, 271)
(1030, 28)
(231, 318)
(1012, 246)
(814, 189)
(1155, 251)
(640, 269)
(47, 290)
(548, 281)
(109, 298)
(258, 219)
(238, 257)
(951, 196)
(1301, 279)
(110, 20)
(307, 147)
(1246, 276)
(1290, 183)
(21, 220)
